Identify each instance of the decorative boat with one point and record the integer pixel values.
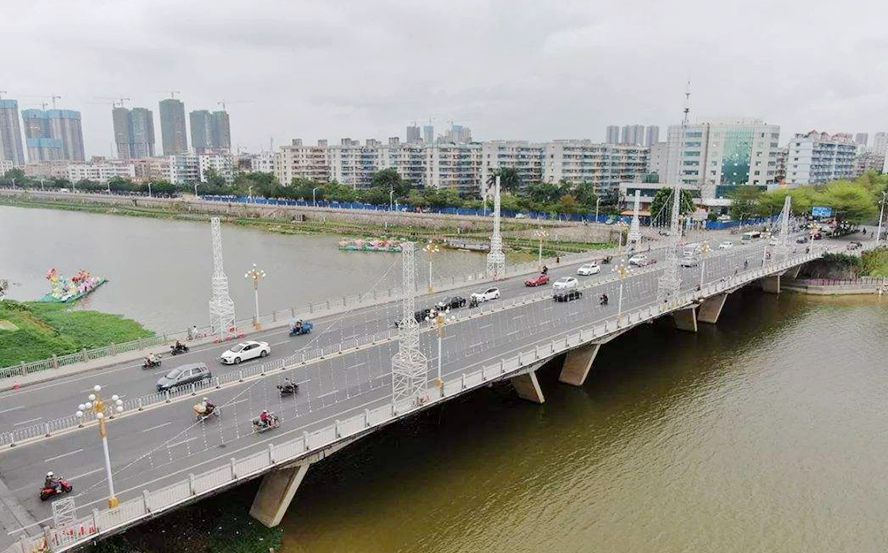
(368, 245)
(69, 290)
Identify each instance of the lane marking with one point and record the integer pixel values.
(327, 394)
(12, 409)
(485, 326)
(86, 474)
(158, 426)
(62, 455)
(27, 421)
(183, 442)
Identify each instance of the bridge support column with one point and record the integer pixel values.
(528, 387)
(577, 364)
(793, 273)
(275, 493)
(685, 319)
(711, 309)
(770, 284)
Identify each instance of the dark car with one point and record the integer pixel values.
(453, 302)
(567, 295)
(186, 374)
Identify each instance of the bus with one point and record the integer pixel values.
(751, 235)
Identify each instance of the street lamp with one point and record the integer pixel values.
(195, 188)
(541, 234)
(881, 215)
(705, 251)
(314, 199)
(597, 201)
(431, 248)
(250, 194)
(441, 320)
(391, 199)
(256, 274)
(96, 405)
(622, 271)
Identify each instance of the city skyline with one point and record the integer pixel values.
(516, 79)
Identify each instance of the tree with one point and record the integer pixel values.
(390, 179)
(585, 194)
(510, 181)
(851, 202)
(744, 202)
(568, 204)
(661, 212)
(213, 178)
(14, 174)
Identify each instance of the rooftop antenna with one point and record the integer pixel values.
(173, 93)
(222, 103)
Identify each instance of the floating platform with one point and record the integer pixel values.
(68, 298)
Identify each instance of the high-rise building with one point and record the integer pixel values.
(613, 134)
(428, 133)
(133, 132)
(221, 131)
(818, 158)
(861, 138)
(880, 143)
(413, 136)
(172, 127)
(632, 134)
(210, 130)
(123, 132)
(651, 136)
(11, 133)
(604, 166)
(657, 160)
(526, 158)
(458, 134)
(53, 134)
(717, 155)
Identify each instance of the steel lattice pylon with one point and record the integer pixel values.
(221, 306)
(669, 283)
(496, 259)
(783, 247)
(409, 365)
(635, 227)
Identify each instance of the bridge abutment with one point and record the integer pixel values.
(685, 319)
(711, 308)
(770, 284)
(275, 494)
(528, 387)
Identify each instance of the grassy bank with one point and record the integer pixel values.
(875, 263)
(32, 331)
(218, 525)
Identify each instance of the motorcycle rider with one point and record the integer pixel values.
(545, 270)
(264, 418)
(298, 327)
(151, 360)
(288, 385)
(52, 482)
(208, 407)
(178, 346)
(603, 299)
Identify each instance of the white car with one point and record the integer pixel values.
(726, 245)
(689, 261)
(589, 269)
(486, 295)
(773, 242)
(245, 351)
(639, 260)
(565, 283)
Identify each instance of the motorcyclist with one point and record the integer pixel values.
(603, 299)
(289, 385)
(545, 270)
(151, 360)
(179, 346)
(298, 327)
(51, 481)
(208, 406)
(264, 418)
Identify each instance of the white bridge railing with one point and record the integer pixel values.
(235, 470)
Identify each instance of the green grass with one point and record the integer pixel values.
(875, 263)
(45, 329)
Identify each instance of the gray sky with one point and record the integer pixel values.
(518, 69)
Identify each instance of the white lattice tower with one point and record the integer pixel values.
(496, 259)
(635, 226)
(669, 282)
(409, 365)
(64, 515)
(783, 247)
(221, 306)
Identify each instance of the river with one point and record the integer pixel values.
(159, 270)
(765, 432)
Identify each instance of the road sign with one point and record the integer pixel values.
(821, 211)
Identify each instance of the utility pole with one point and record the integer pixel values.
(409, 365)
(496, 259)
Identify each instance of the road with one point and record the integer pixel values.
(162, 445)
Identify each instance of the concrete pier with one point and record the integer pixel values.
(685, 319)
(578, 363)
(711, 308)
(275, 494)
(528, 387)
(771, 284)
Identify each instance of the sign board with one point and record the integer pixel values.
(821, 211)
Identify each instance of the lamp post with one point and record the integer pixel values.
(431, 248)
(149, 189)
(256, 275)
(881, 215)
(541, 234)
(97, 405)
(250, 194)
(41, 185)
(441, 320)
(195, 188)
(392, 199)
(622, 271)
(705, 252)
(314, 198)
(597, 201)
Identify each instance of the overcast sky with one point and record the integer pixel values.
(517, 69)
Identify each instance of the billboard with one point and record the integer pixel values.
(821, 211)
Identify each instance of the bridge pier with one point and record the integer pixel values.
(578, 363)
(793, 273)
(528, 387)
(685, 319)
(711, 308)
(276, 492)
(770, 284)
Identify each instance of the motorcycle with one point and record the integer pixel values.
(182, 348)
(149, 364)
(473, 303)
(63, 486)
(288, 389)
(201, 414)
(602, 300)
(260, 427)
(305, 328)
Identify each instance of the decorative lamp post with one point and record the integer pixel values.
(314, 198)
(103, 411)
(541, 234)
(441, 320)
(256, 275)
(431, 248)
(597, 201)
(705, 251)
(622, 271)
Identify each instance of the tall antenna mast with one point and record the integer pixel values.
(221, 306)
(496, 259)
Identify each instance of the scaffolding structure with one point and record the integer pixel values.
(409, 365)
(496, 259)
(221, 306)
(635, 227)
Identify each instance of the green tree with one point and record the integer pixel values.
(214, 179)
(16, 175)
(851, 202)
(744, 202)
(390, 179)
(585, 194)
(568, 204)
(661, 212)
(510, 181)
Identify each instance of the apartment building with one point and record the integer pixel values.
(524, 157)
(298, 160)
(454, 166)
(354, 164)
(817, 158)
(100, 170)
(605, 166)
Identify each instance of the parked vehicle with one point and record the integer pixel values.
(486, 295)
(751, 235)
(452, 302)
(589, 269)
(640, 260)
(540, 280)
(565, 283)
(688, 261)
(567, 295)
(186, 374)
(726, 245)
(244, 352)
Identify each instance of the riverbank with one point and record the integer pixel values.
(31, 331)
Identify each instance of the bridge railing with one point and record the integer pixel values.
(236, 470)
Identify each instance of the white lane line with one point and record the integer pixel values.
(12, 409)
(236, 402)
(513, 332)
(475, 345)
(517, 316)
(183, 442)
(281, 343)
(327, 394)
(27, 421)
(359, 364)
(86, 474)
(62, 455)
(485, 326)
(158, 426)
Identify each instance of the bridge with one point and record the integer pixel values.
(352, 382)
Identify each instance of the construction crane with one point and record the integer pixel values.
(115, 102)
(53, 97)
(171, 92)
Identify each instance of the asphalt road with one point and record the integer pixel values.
(162, 445)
